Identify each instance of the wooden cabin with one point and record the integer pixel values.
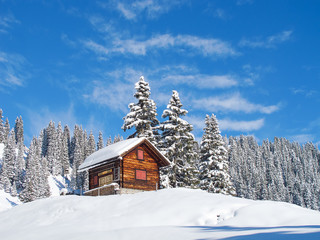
(127, 166)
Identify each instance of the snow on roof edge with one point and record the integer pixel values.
(112, 151)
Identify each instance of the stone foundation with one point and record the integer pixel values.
(111, 189)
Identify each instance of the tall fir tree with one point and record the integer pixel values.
(143, 114)
(100, 144)
(65, 144)
(214, 167)
(32, 188)
(109, 141)
(91, 145)
(53, 150)
(177, 144)
(9, 159)
(1, 127)
(6, 130)
(18, 130)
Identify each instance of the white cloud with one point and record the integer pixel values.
(243, 2)
(114, 89)
(126, 11)
(232, 103)
(205, 46)
(40, 118)
(227, 124)
(115, 96)
(202, 80)
(152, 8)
(12, 72)
(243, 126)
(95, 47)
(269, 42)
(6, 22)
(197, 122)
(302, 138)
(220, 13)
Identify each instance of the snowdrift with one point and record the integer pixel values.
(165, 214)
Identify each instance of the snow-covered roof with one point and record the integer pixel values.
(113, 151)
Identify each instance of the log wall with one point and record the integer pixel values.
(130, 164)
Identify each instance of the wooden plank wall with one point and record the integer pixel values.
(149, 164)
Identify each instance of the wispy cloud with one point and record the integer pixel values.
(232, 103)
(6, 22)
(227, 124)
(305, 92)
(302, 138)
(205, 46)
(40, 119)
(12, 70)
(202, 80)
(244, 2)
(242, 126)
(152, 8)
(115, 90)
(269, 42)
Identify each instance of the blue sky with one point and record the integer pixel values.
(255, 64)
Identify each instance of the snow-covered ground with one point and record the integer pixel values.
(165, 214)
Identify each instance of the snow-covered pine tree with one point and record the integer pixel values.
(77, 157)
(32, 187)
(117, 138)
(143, 114)
(100, 144)
(177, 144)
(54, 164)
(109, 141)
(44, 189)
(9, 159)
(18, 130)
(91, 145)
(66, 134)
(214, 167)
(65, 162)
(6, 130)
(1, 127)
(20, 166)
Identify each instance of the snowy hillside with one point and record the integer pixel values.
(165, 214)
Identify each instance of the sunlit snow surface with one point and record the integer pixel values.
(165, 214)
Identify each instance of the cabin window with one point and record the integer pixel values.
(140, 154)
(141, 175)
(105, 180)
(91, 181)
(95, 180)
(116, 174)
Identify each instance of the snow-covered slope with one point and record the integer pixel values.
(165, 214)
(7, 201)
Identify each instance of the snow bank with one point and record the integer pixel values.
(165, 214)
(7, 201)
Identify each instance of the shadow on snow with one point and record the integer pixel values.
(279, 233)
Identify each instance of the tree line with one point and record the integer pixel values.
(279, 170)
